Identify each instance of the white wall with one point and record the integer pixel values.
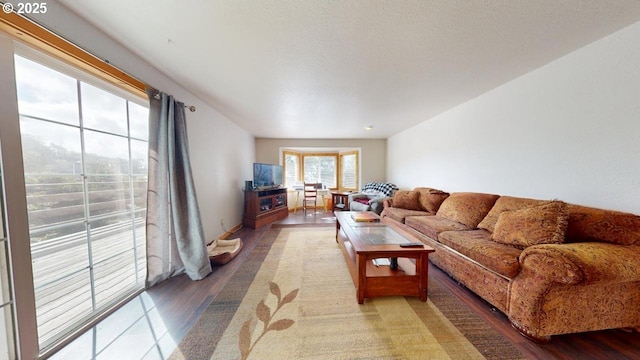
(221, 153)
(568, 130)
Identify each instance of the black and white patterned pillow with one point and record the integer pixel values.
(384, 188)
(387, 188)
(369, 186)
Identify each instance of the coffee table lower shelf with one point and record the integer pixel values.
(373, 281)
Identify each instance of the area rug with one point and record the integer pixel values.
(293, 298)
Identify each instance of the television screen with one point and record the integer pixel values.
(267, 175)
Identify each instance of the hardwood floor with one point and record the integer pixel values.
(151, 325)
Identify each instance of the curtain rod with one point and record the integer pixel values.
(190, 107)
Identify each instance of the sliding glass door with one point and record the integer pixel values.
(85, 166)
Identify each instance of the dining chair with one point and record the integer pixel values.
(310, 197)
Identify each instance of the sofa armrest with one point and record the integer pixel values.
(585, 263)
(560, 287)
(379, 200)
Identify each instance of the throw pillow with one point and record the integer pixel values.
(430, 199)
(506, 203)
(406, 199)
(369, 186)
(541, 224)
(467, 208)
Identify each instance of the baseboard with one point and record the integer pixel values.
(230, 232)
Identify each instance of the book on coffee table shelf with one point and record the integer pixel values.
(381, 262)
(365, 217)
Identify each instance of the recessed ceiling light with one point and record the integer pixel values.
(369, 127)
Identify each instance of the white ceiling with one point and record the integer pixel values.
(326, 69)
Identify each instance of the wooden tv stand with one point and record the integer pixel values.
(262, 207)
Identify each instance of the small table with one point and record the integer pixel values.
(340, 200)
(361, 242)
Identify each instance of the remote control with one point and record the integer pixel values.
(406, 245)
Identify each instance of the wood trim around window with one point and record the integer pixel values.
(357, 174)
(300, 172)
(26, 31)
(338, 158)
(325, 154)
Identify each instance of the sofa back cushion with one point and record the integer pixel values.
(591, 224)
(430, 199)
(540, 224)
(506, 203)
(466, 207)
(406, 199)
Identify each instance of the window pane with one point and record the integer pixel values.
(139, 165)
(114, 277)
(106, 154)
(5, 294)
(61, 253)
(103, 111)
(53, 181)
(139, 121)
(46, 93)
(6, 332)
(139, 157)
(111, 237)
(320, 169)
(62, 302)
(50, 148)
(349, 171)
(108, 194)
(291, 169)
(53, 200)
(7, 337)
(141, 249)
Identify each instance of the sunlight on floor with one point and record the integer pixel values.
(135, 331)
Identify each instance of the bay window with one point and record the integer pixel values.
(335, 170)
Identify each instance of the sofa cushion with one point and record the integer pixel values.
(430, 199)
(477, 245)
(433, 225)
(506, 203)
(406, 199)
(399, 214)
(467, 208)
(591, 224)
(541, 224)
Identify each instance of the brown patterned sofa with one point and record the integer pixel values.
(551, 267)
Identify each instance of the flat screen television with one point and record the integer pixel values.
(267, 176)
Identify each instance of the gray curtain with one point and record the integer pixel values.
(175, 239)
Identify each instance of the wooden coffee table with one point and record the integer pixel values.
(361, 242)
